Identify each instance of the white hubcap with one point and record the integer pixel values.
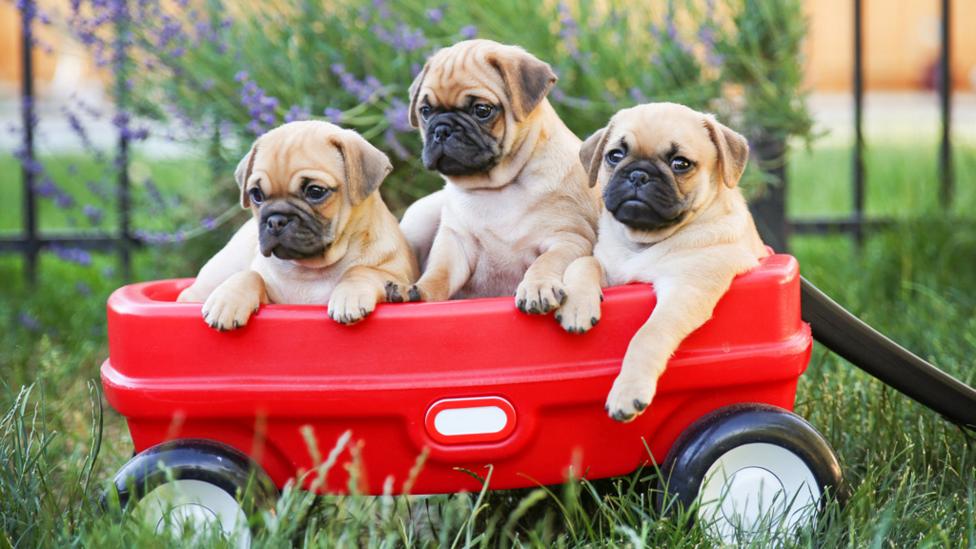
(194, 506)
(755, 488)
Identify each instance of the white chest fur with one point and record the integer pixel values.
(287, 282)
(498, 233)
(624, 261)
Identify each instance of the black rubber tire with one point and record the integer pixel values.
(195, 459)
(706, 440)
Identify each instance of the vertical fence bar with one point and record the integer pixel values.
(769, 210)
(945, 92)
(122, 122)
(858, 153)
(28, 161)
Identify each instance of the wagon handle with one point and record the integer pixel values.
(871, 351)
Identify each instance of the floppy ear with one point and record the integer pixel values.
(591, 152)
(364, 165)
(527, 80)
(732, 148)
(414, 92)
(243, 172)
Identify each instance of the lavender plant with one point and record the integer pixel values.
(218, 73)
(245, 68)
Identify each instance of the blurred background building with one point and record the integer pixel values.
(901, 47)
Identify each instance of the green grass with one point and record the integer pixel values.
(913, 476)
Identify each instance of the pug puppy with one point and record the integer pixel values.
(320, 232)
(517, 207)
(673, 217)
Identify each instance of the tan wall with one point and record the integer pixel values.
(901, 42)
(901, 39)
(10, 49)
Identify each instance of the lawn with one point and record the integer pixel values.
(913, 475)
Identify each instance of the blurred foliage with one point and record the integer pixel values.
(236, 70)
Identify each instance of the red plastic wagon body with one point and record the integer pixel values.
(473, 382)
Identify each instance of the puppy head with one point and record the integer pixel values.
(470, 102)
(303, 181)
(659, 164)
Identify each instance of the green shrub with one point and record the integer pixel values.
(235, 71)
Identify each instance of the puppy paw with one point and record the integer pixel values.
(348, 306)
(229, 309)
(396, 292)
(539, 296)
(629, 398)
(580, 312)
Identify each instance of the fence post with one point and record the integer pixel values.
(769, 210)
(122, 123)
(28, 161)
(858, 153)
(945, 94)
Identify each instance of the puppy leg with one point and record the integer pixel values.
(233, 302)
(448, 269)
(420, 223)
(234, 257)
(541, 289)
(583, 281)
(682, 307)
(357, 294)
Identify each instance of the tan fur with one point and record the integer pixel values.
(691, 264)
(366, 249)
(514, 229)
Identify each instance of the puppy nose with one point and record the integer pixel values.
(442, 132)
(275, 223)
(638, 178)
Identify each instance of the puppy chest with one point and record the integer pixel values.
(499, 264)
(295, 285)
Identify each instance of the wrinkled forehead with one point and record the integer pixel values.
(456, 75)
(661, 130)
(284, 151)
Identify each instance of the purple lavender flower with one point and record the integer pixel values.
(636, 95)
(29, 321)
(397, 114)
(297, 112)
(333, 114)
(389, 137)
(468, 32)
(568, 30)
(382, 9)
(64, 201)
(72, 255)
(260, 106)
(83, 289)
(93, 214)
(363, 91)
(208, 223)
(46, 188)
(402, 37)
(435, 15)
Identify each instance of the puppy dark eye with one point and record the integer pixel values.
(425, 111)
(316, 193)
(256, 196)
(680, 164)
(615, 156)
(483, 111)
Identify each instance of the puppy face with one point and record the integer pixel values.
(303, 181)
(469, 102)
(658, 165)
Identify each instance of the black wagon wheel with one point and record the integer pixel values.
(195, 484)
(749, 469)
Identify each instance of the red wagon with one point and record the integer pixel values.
(467, 384)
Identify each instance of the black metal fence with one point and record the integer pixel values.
(770, 209)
